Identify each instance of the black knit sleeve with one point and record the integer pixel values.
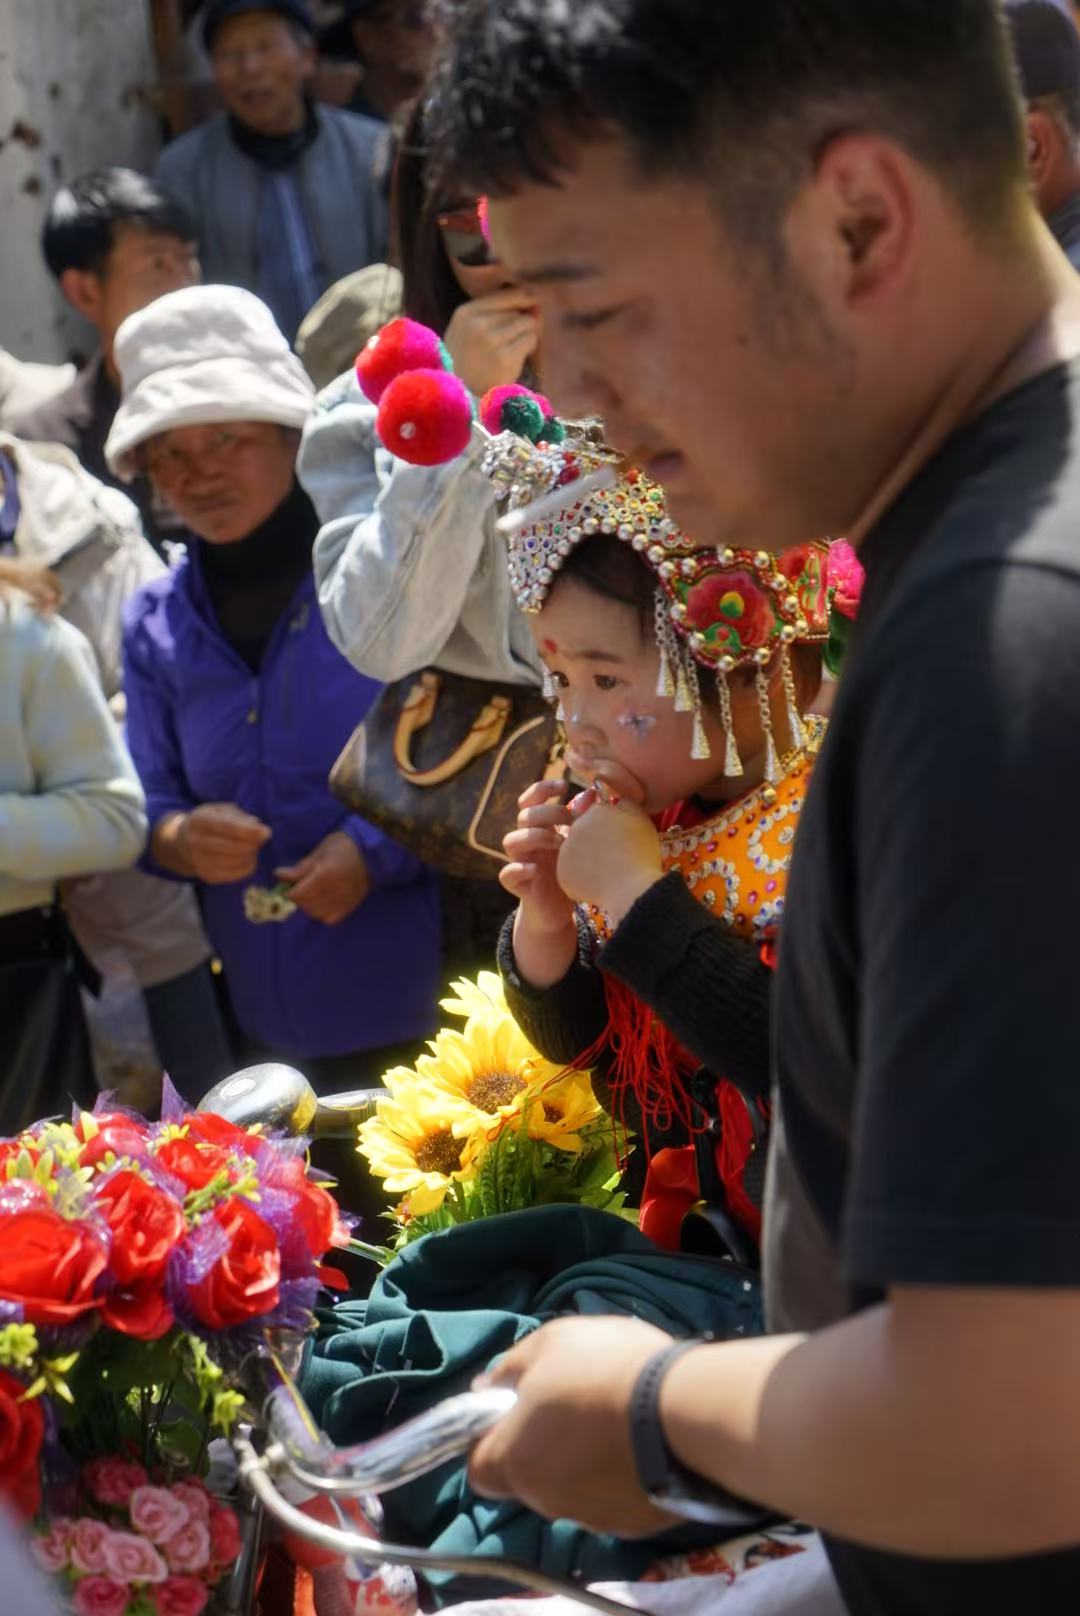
(562, 1021)
(710, 988)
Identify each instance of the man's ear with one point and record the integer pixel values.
(865, 185)
(1043, 143)
(82, 288)
(310, 60)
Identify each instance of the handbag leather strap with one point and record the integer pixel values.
(417, 713)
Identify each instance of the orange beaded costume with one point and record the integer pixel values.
(736, 863)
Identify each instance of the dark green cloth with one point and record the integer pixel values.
(449, 1305)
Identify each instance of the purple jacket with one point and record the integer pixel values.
(203, 728)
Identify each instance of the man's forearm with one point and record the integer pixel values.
(958, 1442)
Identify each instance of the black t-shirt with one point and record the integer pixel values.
(926, 1037)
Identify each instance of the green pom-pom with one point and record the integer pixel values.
(524, 416)
(553, 431)
(444, 355)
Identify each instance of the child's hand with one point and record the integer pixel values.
(609, 857)
(533, 850)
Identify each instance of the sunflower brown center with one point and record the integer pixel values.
(439, 1153)
(491, 1089)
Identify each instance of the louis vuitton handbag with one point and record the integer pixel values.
(440, 761)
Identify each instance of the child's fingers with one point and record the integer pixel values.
(517, 879)
(531, 841)
(545, 816)
(540, 792)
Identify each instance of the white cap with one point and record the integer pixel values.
(200, 355)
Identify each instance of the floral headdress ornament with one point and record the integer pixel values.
(715, 610)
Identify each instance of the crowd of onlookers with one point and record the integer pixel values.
(168, 570)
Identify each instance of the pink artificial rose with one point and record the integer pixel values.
(88, 1539)
(130, 1558)
(189, 1550)
(180, 1596)
(100, 1596)
(224, 1535)
(112, 1481)
(846, 576)
(195, 1496)
(52, 1550)
(158, 1513)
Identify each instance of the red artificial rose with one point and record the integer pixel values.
(315, 1211)
(214, 1130)
(22, 1428)
(145, 1223)
(141, 1311)
(49, 1265)
(193, 1164)
(243, 1283)
(117, 1134)
(225, 1541)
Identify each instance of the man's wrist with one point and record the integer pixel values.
(669, 1483)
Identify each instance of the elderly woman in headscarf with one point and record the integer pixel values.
(238, 705)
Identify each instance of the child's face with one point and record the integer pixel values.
(618, 728)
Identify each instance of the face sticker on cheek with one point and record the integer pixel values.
(638, 725)
(549, 647)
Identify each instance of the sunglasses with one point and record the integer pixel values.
(464, 237)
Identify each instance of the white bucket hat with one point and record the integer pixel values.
(204, 354)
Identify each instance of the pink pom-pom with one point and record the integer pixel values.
(491, 405)
(401, 346)
(426, 417)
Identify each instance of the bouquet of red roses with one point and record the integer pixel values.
(141, 1265)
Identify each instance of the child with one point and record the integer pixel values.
(648, 906)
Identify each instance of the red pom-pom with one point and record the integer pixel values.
(426, 417)
(401, 346)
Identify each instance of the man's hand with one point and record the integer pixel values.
(216, 842)
(565, 1450)
(610, 856)
(330, 882)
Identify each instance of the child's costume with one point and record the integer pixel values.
(664, 1035)
(675, 1002)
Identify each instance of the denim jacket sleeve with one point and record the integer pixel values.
(409, 567)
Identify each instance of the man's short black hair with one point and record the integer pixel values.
(82, 218)
(744, 93)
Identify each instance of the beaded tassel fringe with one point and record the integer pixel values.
(732, 761)
(667, 646)
(551, 692)
(773, 772)
(795, 723)
(699, 748)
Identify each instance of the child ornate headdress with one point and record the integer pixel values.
(715, 610)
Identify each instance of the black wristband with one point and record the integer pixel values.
(651, 1452)
(667, 1482)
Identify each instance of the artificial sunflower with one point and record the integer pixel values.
(561, 1111)
(480, 998)
(420, 1141)
(489, 1065)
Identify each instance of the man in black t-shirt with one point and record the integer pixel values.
(787, 250)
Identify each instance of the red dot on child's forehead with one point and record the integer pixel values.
(549, 646)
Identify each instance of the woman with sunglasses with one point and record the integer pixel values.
(409, 567)
(410, 570)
